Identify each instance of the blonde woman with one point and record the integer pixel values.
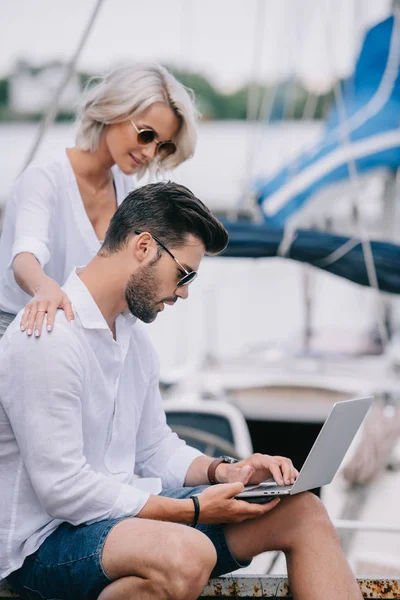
(135, 119)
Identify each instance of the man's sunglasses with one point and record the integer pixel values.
(189, 275)
(148, 136)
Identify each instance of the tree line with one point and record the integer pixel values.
(286, 100)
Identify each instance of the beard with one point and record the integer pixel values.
(141, 293)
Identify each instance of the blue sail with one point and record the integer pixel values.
(372, 106)
(257, 240)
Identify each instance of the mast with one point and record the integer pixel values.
(51, 112)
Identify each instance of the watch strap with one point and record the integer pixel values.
(212, 468)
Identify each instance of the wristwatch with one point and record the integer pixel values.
(213, 466)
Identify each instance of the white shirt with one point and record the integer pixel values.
(45, 215)
(80, 415)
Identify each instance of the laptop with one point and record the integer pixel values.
(324, 458)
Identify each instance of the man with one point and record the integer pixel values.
(81, 417)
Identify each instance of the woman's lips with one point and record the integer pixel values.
(135, 161)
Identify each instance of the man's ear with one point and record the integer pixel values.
(142, 246)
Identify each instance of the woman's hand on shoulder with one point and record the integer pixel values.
(44, 304)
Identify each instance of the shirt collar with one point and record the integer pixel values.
(85, 306)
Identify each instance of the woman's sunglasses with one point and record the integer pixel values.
(148, 136)
(189, 275)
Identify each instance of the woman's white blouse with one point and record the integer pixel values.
(45, 215)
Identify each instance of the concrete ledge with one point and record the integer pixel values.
(272, 587)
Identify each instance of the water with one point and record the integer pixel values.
(235, 304)
(217, 173)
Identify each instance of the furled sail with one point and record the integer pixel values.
(336, 254)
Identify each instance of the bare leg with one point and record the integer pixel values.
(153, 559)
(129, 588)
(301, 528)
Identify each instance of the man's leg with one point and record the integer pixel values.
(154, 559)
(147, 559)
(300, 527)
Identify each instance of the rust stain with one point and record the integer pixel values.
(218, 590)
(233, 589)
(372, 589)
(380, 588)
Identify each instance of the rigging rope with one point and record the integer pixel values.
(51, 112)
(253, 104)
(365, 242)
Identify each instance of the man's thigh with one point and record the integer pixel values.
(226, 562)
(67, 565)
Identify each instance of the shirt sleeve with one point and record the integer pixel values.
(34, 195)
(43, 401)
(159, 451)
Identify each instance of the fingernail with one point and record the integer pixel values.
(29, 332)
(37, 333)
(49, 328)
(22, 328)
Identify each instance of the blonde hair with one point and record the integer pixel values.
(126, 92)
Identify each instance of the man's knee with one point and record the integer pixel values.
(309, 506)
(193, 558)
(175, 560)
(308, 515)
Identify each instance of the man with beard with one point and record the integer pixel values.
(81, 417)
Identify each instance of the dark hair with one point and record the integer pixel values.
(170, 212)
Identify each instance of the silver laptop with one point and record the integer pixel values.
(324, 458)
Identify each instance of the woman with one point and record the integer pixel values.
(137, 119)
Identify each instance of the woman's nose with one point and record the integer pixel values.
(150, 151)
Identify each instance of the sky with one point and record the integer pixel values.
(229, 41)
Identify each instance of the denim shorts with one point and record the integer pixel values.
(67, 566)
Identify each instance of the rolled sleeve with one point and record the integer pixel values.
(129, 502)
(32, 245)
(34, 196)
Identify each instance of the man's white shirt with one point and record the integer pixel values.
(80, 418)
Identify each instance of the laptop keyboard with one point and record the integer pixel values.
(264, 487)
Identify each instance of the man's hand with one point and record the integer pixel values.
(257, 468)
(218, 505)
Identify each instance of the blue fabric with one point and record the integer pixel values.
(256, 240)
(382, 117)
(67, 566)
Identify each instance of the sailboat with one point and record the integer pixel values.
(314, 210)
